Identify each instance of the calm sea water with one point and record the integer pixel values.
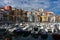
(31, 38)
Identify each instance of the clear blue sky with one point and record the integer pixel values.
(49, 5)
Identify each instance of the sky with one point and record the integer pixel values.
(48, 5)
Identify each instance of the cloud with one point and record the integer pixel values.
(27, 3)
(49, 5)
